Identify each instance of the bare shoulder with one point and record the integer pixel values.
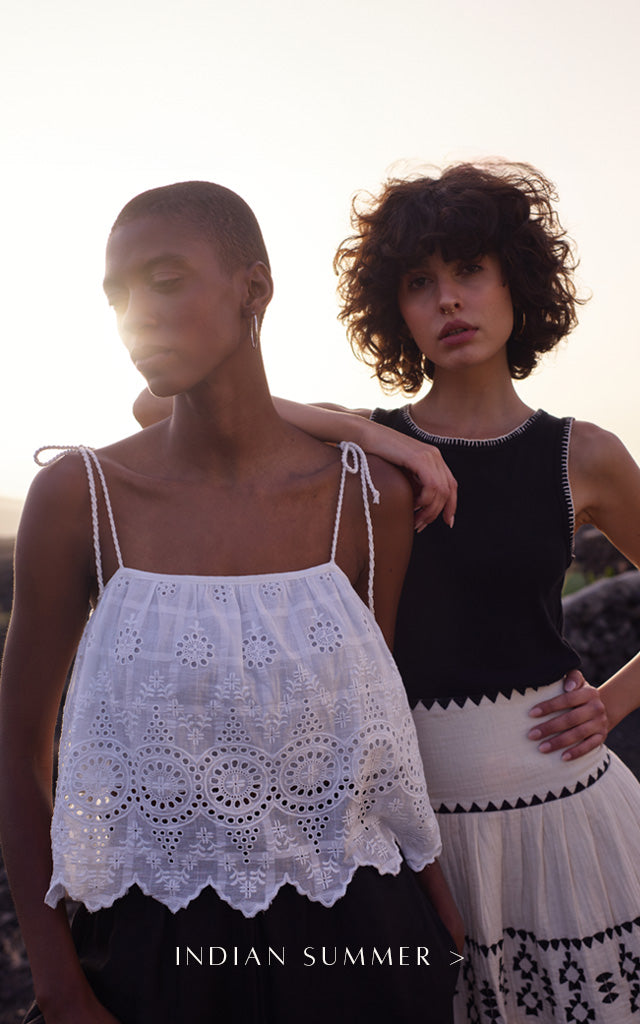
(392, 512)
(393, 515)
(53, 585)
(603, 474)
(393, 530)
(59, 497)
(597, 457)
(136, 446)
(60, 488)
(54, 541)
(394, 487)
(594, 449)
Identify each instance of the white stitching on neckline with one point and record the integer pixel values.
(469, 442)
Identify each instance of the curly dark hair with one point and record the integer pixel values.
(469, 210)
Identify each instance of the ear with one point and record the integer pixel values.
(258, 289)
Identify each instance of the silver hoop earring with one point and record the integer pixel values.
(254, 332)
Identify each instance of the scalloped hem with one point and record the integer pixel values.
(58, 890)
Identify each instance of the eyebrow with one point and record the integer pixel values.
(165, 257)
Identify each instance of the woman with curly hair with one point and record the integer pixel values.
(464, 280)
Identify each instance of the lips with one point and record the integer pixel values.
(144, 353)
(457, 330)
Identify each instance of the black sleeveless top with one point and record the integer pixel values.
(481, 612)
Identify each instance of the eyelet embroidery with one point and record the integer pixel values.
(325, 636)
(258, 650)
(128, 644)
(194, 650)
(208, 745)
(166, 588)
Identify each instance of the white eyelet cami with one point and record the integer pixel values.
(239, 732)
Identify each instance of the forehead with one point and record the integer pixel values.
(154, 238)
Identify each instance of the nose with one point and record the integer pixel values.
(449, 301)
(448, 294)
(134, 315)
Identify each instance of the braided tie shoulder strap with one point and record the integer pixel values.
(90, 461)
(354, 461)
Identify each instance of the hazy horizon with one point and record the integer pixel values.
(10, 509)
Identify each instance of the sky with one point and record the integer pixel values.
(297, 106)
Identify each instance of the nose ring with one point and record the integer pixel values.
(449, 307)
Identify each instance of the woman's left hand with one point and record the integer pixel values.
(580, 720)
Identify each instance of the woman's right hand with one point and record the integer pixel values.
(434, 486)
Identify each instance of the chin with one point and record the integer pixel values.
(161, 388)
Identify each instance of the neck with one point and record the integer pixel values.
(473, 403)
(226, 426)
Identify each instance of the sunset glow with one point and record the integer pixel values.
(297, 106)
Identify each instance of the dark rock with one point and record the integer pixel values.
(16, 992)
(602, 623)
(595, 555)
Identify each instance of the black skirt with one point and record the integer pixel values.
(380, 952)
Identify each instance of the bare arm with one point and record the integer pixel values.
(393, 540)
(393, 537)
(437, 889)
(605, 483)
(52, 586)
(435, 489)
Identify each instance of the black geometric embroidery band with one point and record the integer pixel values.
(474, 698)
(618, 930)
(531, 802)
(539, 976)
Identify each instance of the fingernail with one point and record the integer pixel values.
(544, 748)
(451, 522)
(570, 684)
(535, 734)
(567, 756)
(535, 713)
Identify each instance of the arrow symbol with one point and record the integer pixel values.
(458, 958)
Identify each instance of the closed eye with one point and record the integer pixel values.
(166, 284)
